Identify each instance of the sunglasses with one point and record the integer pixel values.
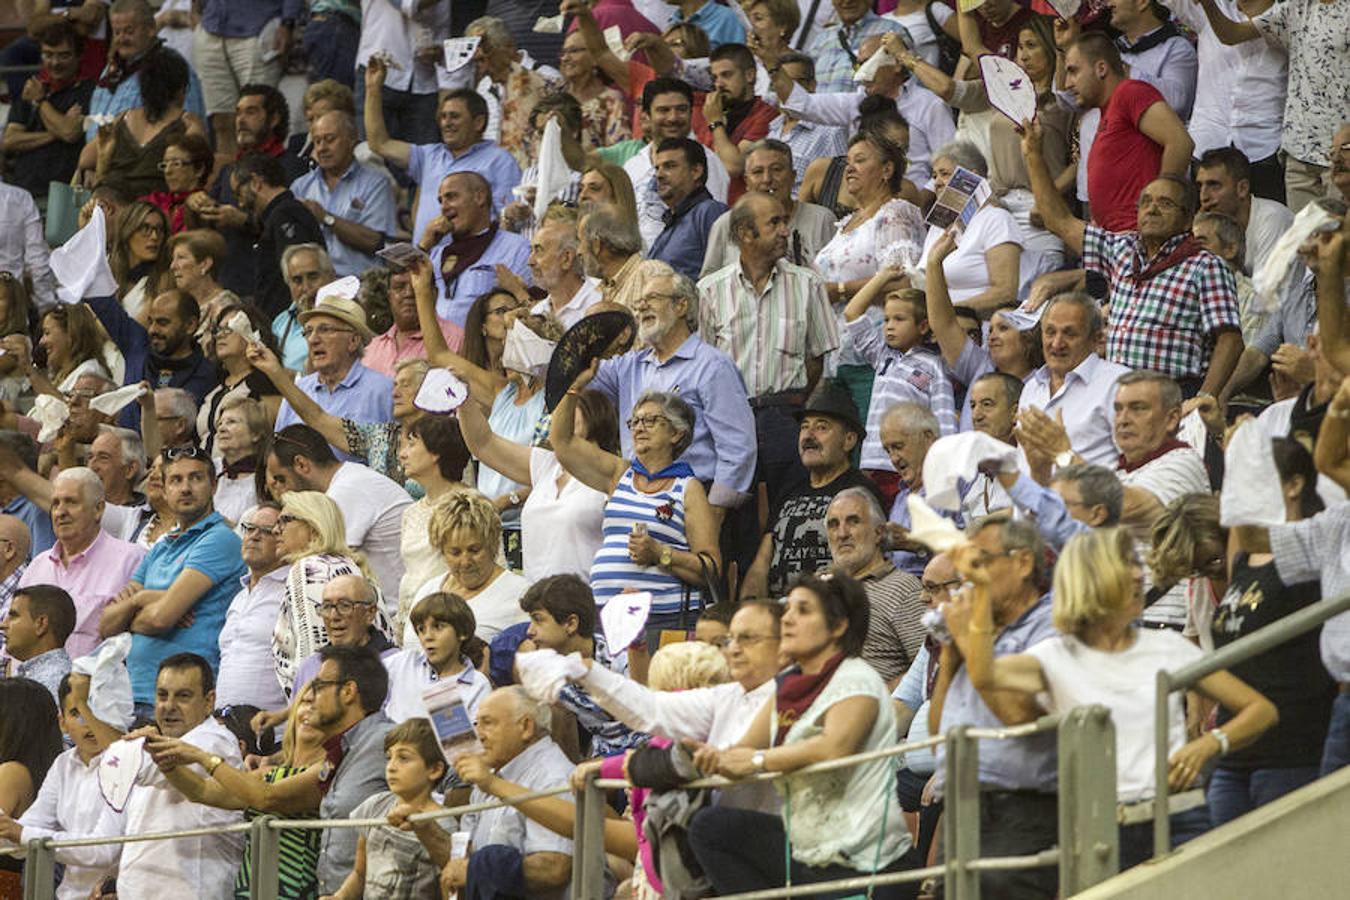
(188, 451)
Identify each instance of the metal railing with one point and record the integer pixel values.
(1240, 651)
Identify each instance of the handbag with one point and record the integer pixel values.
(64, 202)
(713, 589)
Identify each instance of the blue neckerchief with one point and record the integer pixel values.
(678, 469)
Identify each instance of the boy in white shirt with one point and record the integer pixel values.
(445, 625)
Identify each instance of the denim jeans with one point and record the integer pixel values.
(1235, 792)
(743, 850)
(330, 48)
(1336, 751)
(1136, 841)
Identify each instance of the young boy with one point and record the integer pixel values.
(445, 625)
(391, 862)
(906, 369)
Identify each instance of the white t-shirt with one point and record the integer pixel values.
(372, 508)
(577, 511)
(495, 608)
(966, 271)
(1268, 220)
(1124, 682)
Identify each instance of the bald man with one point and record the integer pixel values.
(13, 558)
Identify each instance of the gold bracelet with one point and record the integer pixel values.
(573, 392)
(1338, 413)
(973, 630)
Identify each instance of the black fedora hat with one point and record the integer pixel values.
(831, 399)
(589, 339)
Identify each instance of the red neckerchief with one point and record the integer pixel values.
(270, 147)
(119, 70)
(55, 87)
(246, 466)
(796, 693)
(333, 752)
(1180, 253)
(173, 203)
(463, 252)
(1166, 447)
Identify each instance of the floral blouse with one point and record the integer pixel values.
(604, 120)
(522, 91)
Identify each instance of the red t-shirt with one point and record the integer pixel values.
(1123, 159)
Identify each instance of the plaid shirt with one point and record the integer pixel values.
(770, 334)
(835, 63)
(1168, 322)
(809, 141)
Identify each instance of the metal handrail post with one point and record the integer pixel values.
(1089, 839)
(961, 815)
(39, 871)
(588, 859)
(265, 851)
(1162, 827)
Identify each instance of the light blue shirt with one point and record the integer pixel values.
(834, 69)
(1047, 510)
(212, 548)
(911, 562)
(718, 22)
(39, 524)
(128, 96)
(361, 195)
(454, 299)
(362, 396)
(428, 164)
(724, 446)
(290, 335)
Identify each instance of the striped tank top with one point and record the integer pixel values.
(613, 570)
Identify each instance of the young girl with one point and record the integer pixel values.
(391, 862)
(906, 369)
(444, 624)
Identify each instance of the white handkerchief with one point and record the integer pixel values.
(554, 172)
(549, 24)
(1268, 280)
(1009, 88)
(544, 672)
(623, 618)
(117, 770)
(112, 402)
(241, 326)
(935, 532)
(1251, 492)
(1192, 432)
(614, 39)
(526, 352)
(109, 682)
(80, 265)
(346, 288)
(1023, 319)
(442, 391)
(51, 413)
(958, 457)
(458, 52)
(1066, 9)
(868, 70)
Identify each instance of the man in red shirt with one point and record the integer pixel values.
(733, 116)
(1138, 139)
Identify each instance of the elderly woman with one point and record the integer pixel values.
(659, 531)
(1102, 656)
(161, 519)
(313, 539)
(195, 258)
(242, 425)
(467, 530)
(186, 165)
(434, 456)
(238, 377)
(604, 109)
(557, 502)
(138, 255)
(884, 231)
(829, 704)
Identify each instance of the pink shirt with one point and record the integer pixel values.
(385, 352)
(92, 579)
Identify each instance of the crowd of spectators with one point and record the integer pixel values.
(683, 272)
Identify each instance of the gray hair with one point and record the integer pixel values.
(133, 448)
(796, 57)
(493, 31)
(568, 242)
(1097, 485)
(681, 287)
(912, 418)
(742, 215)
(964, 154)
(1168, 390)
(530, 708)
(181, 404)
(325, 261)
(866, 498)
(91, 486)
(108, 383)
(771, 145)
(1226, 229)
(346, 121)
(1092, 310)
(140, 8)
(677, 412)
(614, 232)
(1015, 534)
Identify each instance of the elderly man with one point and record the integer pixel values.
(203, 866)
(795, 540)
(510, 89)
(769, 169)
(372, 506)
(260, 185)
(908, 431)
(855, 527)
(404, 339)
(177, 417)
(611, 251)
(90, 564)
(514, 730)
(1075, 385)
(807, 140)
(13, 559)
(673, 358)
(35, 630)
(335, 330)
(306, 268)
(837, 47)
(353, 202)
(247, 674)
(774, 320)
(466, 246)
(177, 598)
(556, 264)
(1080, 497)
(1018, 778)
(463, 117)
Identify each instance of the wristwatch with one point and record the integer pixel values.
(757, 760)
(1222, 738)
(1064, 459)
(716, 123)
(329, 220)
(666, 556)
(514, 497)
(212, 764)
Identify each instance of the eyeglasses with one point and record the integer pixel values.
(167, 164)
(934, 588)
(187, 451)
(250, 528)
(342, 607)
(746, 640)
(651, 297)
(319, 684)
(150, 228)
(646, 422)
(285, 519)
(324, 331)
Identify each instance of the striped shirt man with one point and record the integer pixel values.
(769, 334)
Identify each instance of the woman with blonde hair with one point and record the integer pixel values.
(1102, 656)
(313, 539)
(467, 530)
(1190, 548)
(605, 184)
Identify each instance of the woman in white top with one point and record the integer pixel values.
(829, 704)
(241, 426)
(466, 529)
(1103, 657)
(75, 346)
(558, 504)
